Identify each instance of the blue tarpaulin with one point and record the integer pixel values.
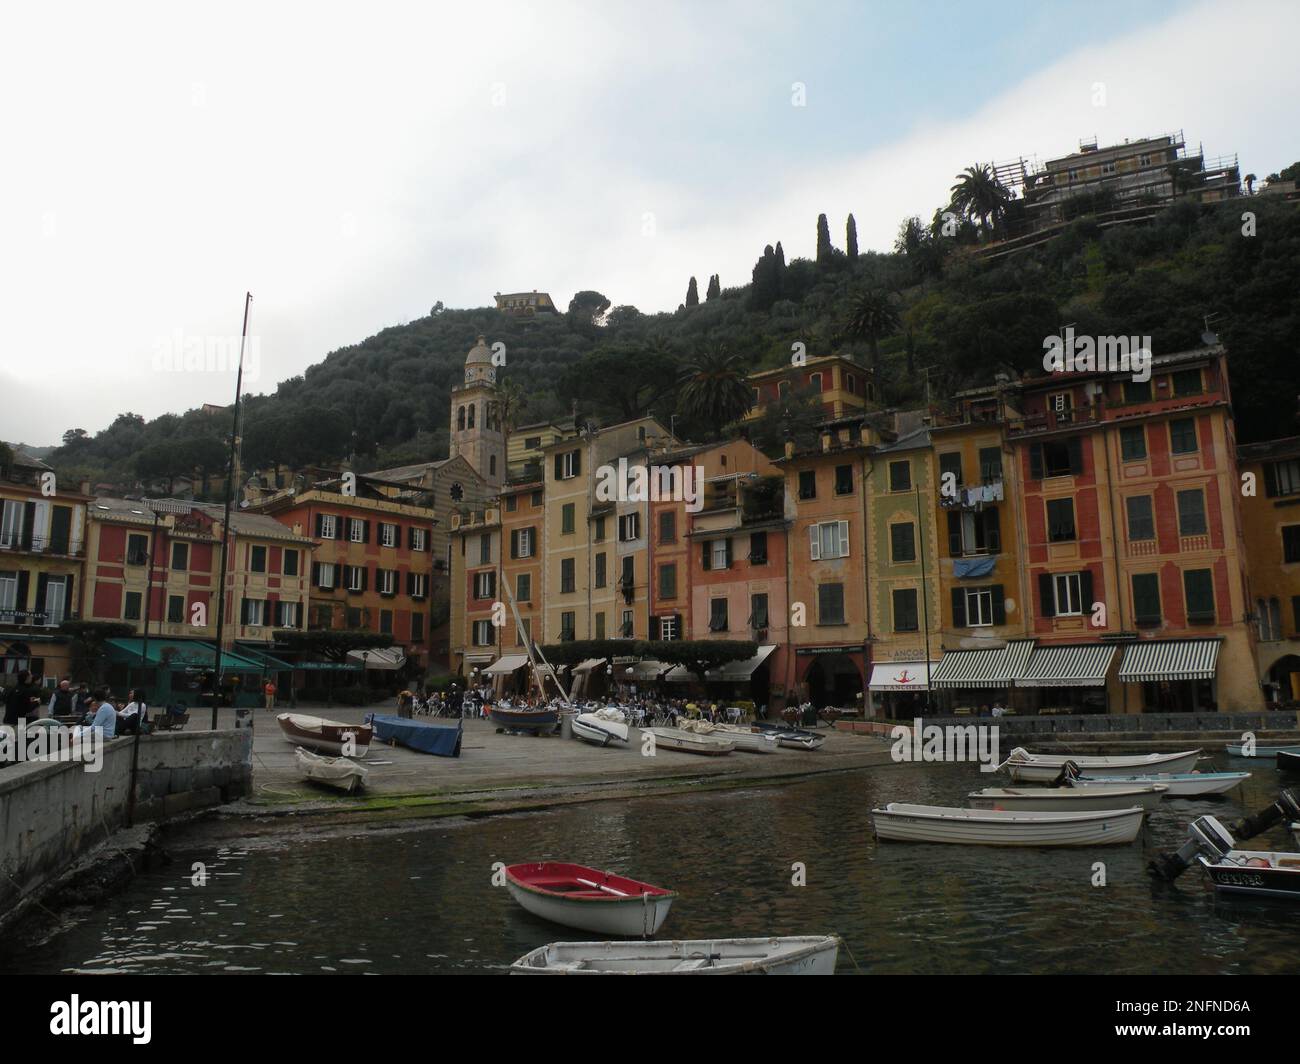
(428, 738)
(972, 567)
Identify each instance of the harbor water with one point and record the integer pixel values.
(419, 898)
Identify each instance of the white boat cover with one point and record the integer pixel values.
(901, 676)
(1169, 659)
(1075, 665)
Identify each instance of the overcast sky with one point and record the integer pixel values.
(353, 164)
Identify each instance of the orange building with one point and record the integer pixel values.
(481, 623)
(843, 386)
(1270, 507)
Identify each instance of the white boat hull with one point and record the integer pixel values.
(1182, 785)
(749, 741)
(802, 955)
(972, 827)
(598, 731)
(337, 772)
(1068, 799)
(689, 742)
(631, 917)
(1040, 768)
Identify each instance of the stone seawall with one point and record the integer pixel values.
(53, 812)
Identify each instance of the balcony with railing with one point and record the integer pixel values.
(58, 546)
(1055, 420)
(36, 618)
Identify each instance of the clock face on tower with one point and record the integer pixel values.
(457, 492)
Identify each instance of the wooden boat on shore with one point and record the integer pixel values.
(795, 955)
(1288, 762)
(534, 721)
(1262, 750)
(330, 737)
(1042, 768)
(340, 773)
(1254, 873)
(903, 822)
(746, 739)
(793, 738)
(1069, 799)
(599, 730)
(689, 742)
(589, 899)
(444, 740)
(1177, 784)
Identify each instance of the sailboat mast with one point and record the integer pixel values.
(529, 648)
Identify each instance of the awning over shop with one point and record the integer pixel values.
(1068, 666)
(265, 660)
(647, 670)
(1169, 659)
(589, 664)
(506, 665)
(901, 676)
(680, 674)
(388, 659)
(176, 653)
(970, 668)
(739, 671)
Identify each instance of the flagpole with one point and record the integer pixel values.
(225, 521)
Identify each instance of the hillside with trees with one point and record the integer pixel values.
(930, 305)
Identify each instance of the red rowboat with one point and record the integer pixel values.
(589, 899)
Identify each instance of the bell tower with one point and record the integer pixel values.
(477, 430)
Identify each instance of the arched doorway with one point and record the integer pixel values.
(1282, 679)
(834, 680)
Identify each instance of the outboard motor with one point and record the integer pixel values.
(1068, 774)
(1207, 835)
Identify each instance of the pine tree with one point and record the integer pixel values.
(851, 238)
(692, 294)
(715, 288)
(824, 248)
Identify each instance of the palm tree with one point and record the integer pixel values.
(980, 196)
(872, 315)
(1250, 190)
(513, 400)
(714, 387)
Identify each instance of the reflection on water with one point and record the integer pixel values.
(421, 900)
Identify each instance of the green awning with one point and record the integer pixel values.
(177, 653)
(265, 660)
(332, 666)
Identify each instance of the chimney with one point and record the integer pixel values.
(789, 448)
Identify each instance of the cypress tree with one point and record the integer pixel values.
(715, 288)
(851, 238)
(824, 248)
(692, 294)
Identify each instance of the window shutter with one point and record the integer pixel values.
(1270, 479)
(959, 607)
(42, 583)
(410, 583)
(1075, 445)
(655, 634)
(704, 549)
(320, 526)
(365, 577)
(315, 574)
(1036, 462)
(365, 531)
(1046, 594)
(1085, 591)
(992, 531)
(577, 463)
(999, 605)
(68, 599)
(243, 611)
(844, 539)
(24, 583)
(1295, 609)
(954, 534)
(514, 543)
(816, 543)
(728, 542)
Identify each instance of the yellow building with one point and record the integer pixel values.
(42, 558)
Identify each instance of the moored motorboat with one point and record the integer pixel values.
(1265, 751)
(794, 955)
(323, 736)
(1027, 767)
(340, 773)
(1069, 799)
(793, 738)
(522, 719)
(589, 899)
(600, 728)
(1255, 873)
(901, 821)
(689, 742)
(1288, 762)
(1178, 784)
(426, 736)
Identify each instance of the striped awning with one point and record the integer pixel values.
(995, 667)
(1169, 659)
(1068, 666)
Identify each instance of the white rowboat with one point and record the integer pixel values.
(1027, 767)
(689, 742)
(800, 955)
(986, 827)
(1068, 799)
(599, 731)
(1179, 785)
(338, 772)
(745, 739)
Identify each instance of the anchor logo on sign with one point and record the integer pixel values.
(904, 678)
